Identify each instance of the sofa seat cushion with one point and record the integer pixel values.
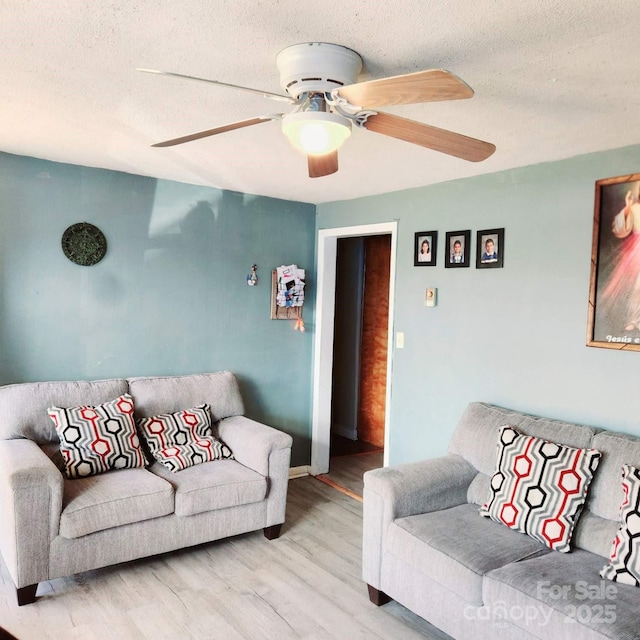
(456, 547)
(213, 485)
(113, 499)
(579, 602)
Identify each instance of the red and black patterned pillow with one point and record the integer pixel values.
(624, 565)
(98, 439)
(183, 439)
(539, 487)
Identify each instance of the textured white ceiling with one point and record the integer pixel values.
(552, 79)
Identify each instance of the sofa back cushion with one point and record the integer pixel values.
(598, 526)
(606, 491)
(476, 436)
(153, 396)
(23, 407)
(476, 439)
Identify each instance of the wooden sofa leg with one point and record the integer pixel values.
(272, 532)
(5, 635)
(378, 597)
(26, 595)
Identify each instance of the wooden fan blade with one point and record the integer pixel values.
(322, 165)
(222, 129)
(453, 144)
(423, 86)
(264, 94)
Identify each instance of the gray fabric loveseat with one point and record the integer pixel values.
(51, 526)
(426, 545)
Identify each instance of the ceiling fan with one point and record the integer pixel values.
(320, 80)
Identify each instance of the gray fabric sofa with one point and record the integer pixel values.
(52, 527)
(426, 546)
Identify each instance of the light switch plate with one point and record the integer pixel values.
(431, 297)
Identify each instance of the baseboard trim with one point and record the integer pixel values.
(299, 472)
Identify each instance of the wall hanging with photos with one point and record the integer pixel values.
(287, 294)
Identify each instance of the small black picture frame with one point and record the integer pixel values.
(457, 249)
(490, 249)
(425, 249)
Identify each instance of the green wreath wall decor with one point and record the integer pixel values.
(84, 244)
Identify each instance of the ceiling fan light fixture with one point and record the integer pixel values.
(321, 81)
(316, 133)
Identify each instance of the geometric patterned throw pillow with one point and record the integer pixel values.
(625, 550)
(97, 439)
(539, 487)
(183, 439)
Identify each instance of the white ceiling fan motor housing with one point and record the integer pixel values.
(317, 67)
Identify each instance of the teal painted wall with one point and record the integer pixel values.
(513, 336)
(170, 296)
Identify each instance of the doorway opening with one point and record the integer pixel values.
(351, 409)
(359, 377)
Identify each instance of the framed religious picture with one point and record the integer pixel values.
(614, 292)
(490, 249)
(425, 249)
(457, 249)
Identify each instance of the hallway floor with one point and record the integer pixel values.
(348, 463)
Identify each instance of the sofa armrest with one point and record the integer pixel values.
(406, 490)
(252, 442)
(31, 489)
(265, 450)
(420, 487)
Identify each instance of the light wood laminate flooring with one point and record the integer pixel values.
(304, 585)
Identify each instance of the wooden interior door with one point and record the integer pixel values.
(374, 340)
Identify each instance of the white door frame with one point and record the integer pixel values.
(323, 343)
